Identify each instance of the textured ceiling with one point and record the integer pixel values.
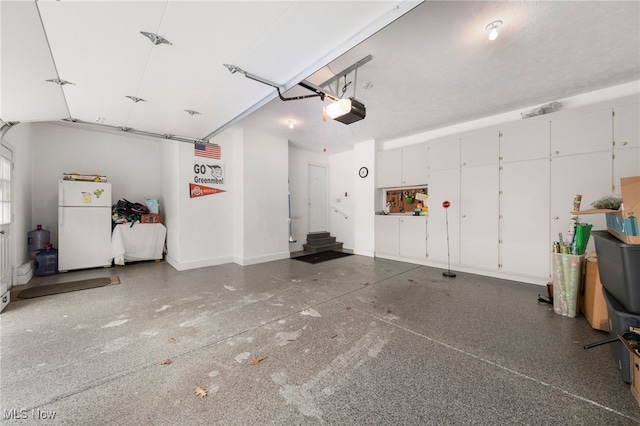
(435, 67)
(432, 65)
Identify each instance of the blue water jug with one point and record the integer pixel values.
(46, 261)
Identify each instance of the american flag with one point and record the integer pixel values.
(207, 150)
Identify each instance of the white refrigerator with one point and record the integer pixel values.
(84, 225)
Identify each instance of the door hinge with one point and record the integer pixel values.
(500, 134)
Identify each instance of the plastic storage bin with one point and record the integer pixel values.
(567, 276)
(46, 261)
(620, 320)
(619, 266)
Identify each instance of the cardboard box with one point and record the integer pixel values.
(85, 178)
(634, 361)
(150, 218)
(623, 224)
(593, 305)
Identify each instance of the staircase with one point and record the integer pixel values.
(321, 241)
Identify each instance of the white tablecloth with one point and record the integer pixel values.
(142, 241)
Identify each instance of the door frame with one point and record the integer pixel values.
(326, 197)
(11, 256)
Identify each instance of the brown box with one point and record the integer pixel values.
(85, 178)
(593, 304)
(623, 224)
(150, 218)
(635, 368)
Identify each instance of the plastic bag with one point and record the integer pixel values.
(153, 205)
(611, 201)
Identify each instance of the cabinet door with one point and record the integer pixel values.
(626, 162)
(588, 132)
(528, 142)
(444, 154)
(387, 235)
(443, 226)
(414, 164)
(413, 236)
(479, 217)
(524, 218)
(626, 126)
(480, 148)
(626, 153)
(588, 175)
(389, 168)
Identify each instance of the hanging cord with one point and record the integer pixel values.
(344, 88)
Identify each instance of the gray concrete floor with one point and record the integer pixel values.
(355, 340)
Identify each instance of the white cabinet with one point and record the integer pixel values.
(529, 142)
(444, 185)
(524, 218)
(479, 216)
(403, 167)
(414, 164)
(480, 148)
(626, 136)
(578, 134)
(626, 162)
(413, 236)
(444, 154)
(626, 129)
(404, 236)
(389, 168)
(387, 235)
(588, 175)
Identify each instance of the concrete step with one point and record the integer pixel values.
(323, 247)
(321, 241)
(317, 235)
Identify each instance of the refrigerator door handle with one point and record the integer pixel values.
(61, 217)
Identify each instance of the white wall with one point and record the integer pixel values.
(131, 164)
(342, 197)
(19, 138)
(169, 194)
(265, 211)
(364, 200)
(299, 161)
(203, 226)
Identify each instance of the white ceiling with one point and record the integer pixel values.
(432, 67)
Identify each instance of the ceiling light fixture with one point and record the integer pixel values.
(493, 29)
(155, 38)
(291, 123)
(191, 112)
(135, 98)
(347, 111)
(338, 109)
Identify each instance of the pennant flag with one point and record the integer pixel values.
(201, 190)
(207, 150)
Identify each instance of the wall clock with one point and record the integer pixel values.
(363, 172)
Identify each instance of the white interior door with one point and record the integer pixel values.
(317, 198)
(6, 266)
